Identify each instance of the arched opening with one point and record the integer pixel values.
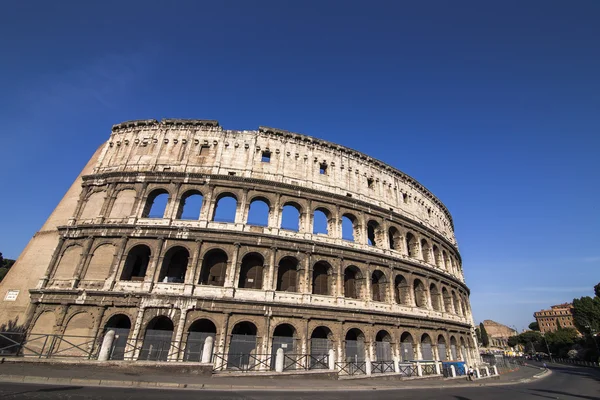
(287, 275)
(321, 280)
(121, 324)
(190, 205)
(157, 340)
(136, 263)
(321, 341)
(407, 352)
(225, 208)
(425, 251)
(437, 256)
(463, 307)
(453, 352)
(214, 267)
(197, 334)
(463, 349)
(383, 346)
(352, 282)
(447, 300)
(321, 221)
(420, 294)
(426, 349)
(156, 204)
(412, 247)
(290, 217)
(242, 348)
(251, 271)
(395, 238)
(284, 337)
(349, 227)
(258, 214)
(435, 297)
(379, 286)
(441, 347)
(372, 234)
(355, 345)
(447, 262)
(174, 265)
(456, 303)
(402, 290)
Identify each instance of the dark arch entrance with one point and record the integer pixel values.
(383, 346)
(121, 324)
(284, 337)
(355, 345)
(198, 332)
(242, 348)
(157, 340)
(407, 352)
(321, 341)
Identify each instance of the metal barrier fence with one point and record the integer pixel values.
(18, 344)
(428, 369)
(408, 369)
(304, 362)
(382, 367)
(241, 362)
(351, 367)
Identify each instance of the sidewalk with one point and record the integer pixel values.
(90, 374)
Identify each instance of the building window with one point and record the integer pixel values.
(370, 183)
(266, 157)
(323, 169)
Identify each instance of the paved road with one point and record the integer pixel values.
(566, 382)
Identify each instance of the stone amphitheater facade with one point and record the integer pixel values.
(390, 288)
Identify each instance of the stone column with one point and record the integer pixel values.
(155, 265)
(208, 205)
(231, 273)
(340, 277)
(176, 353)
(192, 271)
(53, 264)
(83, 261)
(135, 344)
(117, 265)
(241, 214)
(269, 284)
(173, 203)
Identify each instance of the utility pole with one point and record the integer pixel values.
(548, 347)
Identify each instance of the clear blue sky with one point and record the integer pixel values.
(494, 106)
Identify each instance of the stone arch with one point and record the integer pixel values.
(252, 271)
(321, 278)
(441, 348)
(225, 209)
(287, 275)
(354, 345)
(383, 346)
(291, 216)
(44, 323)
(350, 227)
(379, 286)
(121, 325)
(434, 293)
(453, 348)
(463, 349)
(395, 238)
(77, 336)
(437, 256)
(174, 266)
(321, 341)
(412, 246)
(353, 282)
(214, 268)
(407, 352)
(402, 290)
(93, 205)
(157, 339)
(420, 293)
(284, 337)
(197, 333)
(100, 263)
(156, 204)
(425, 251)
(426, 347)
(374, 234)
(69, 260)
(259, 211)
(123, 205)
(242, 345)
(447, 300)
(321, 221)
(456, 304)
(136, 263)
(190, 205)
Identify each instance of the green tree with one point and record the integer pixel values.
(5, 265)
(597, 290)
(534, 326)
(586, 314)
(513, 341)
(478, 335)
(531, 340)
(485, 340)
(561, 341)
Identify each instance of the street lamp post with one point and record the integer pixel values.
(548, 347)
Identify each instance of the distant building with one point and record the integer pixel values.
(548, 320)
(498, 333)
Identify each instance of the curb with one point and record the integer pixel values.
(192, 386)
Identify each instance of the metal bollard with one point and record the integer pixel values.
(279, 360)
(107, 343)
(207, 350)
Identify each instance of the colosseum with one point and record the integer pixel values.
(180, 233)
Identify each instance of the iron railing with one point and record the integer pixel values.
(428, 369)
(407, 369)
(382, 367)
(241, 362)
(305, 362)
(18, 344)
(352, 367)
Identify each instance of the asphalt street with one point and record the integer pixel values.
(566, 382)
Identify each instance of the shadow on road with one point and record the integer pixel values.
(50, 389)
(566, 394)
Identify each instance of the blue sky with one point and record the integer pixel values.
(494, 106)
